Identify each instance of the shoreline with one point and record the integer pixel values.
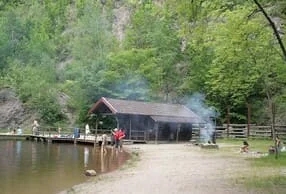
(130, 163)
(168, 168)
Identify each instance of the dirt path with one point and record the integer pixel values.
(171, 168)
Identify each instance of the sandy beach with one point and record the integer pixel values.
(170, 168)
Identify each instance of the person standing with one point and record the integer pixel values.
(121, 136)
(59, 131)
(113, 137)
(19, 131)
(277, 142)
(103, 142)
(277, 146)
(35, 128)
(87, 130)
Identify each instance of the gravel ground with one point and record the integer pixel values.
(171, 168)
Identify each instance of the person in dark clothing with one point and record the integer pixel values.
(113, 139)
(244, 147)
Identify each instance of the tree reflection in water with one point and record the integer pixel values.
(35, 167)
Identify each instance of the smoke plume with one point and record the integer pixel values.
(208, 114)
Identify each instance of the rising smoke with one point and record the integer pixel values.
(132, 87)
(208, 114)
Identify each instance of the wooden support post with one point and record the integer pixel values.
(273, 112)
(117, 122)
(228, 120)
(84, 134)
(156, 128)
(95, 135)
(130, 127)
(248, 119)
(178, 132)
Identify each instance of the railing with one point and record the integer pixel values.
(255, 131)
(260, 131)
(234, 131)
(71, 132)
(138, 135)
(240, 131)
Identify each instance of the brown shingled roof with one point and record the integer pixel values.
(163, 112)
(177, 119)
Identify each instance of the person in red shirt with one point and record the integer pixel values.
(118, 137)
(121, 137)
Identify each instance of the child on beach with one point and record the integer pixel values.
(244, 148)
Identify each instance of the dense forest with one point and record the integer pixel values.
(229, 54)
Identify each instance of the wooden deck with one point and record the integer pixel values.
(64, 139)
(13, 137)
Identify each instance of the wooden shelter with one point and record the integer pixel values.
(149, 121)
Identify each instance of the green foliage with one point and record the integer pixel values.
(134, 72)
(269, 184)
(34, 86)
(90, 42)
(270, 160)
(172, 49)
(152, 28)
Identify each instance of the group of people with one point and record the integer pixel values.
(277, 148)
(16, 132)
(272, 149)
(117, 138)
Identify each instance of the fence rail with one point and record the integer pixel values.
(255, 131)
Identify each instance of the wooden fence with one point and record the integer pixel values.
(255, 131)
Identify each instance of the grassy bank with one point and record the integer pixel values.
(267, 172)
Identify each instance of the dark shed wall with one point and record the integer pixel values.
(135, 126)
(185, 133)
(142, 127)
(174, 131)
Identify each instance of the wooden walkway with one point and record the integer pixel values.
(64, 139)
(11, 136)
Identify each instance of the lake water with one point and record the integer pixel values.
(35, 167)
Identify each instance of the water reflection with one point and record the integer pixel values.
(35, 167)
(86, 155)
(33, 156)
(103, 161)
(18, 147)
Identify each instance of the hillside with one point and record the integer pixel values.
(59, 57)
(12, 111)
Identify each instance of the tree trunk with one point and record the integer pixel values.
(248, 118)
(228, 119)
(273, 114)
(276, 33)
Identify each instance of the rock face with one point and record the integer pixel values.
(121, 20)
(63, 101)
(12, 112)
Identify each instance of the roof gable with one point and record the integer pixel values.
(117, 106)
